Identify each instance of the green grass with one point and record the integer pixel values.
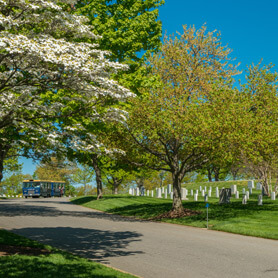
(55, 264)
(250, 219)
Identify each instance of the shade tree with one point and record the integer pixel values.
(187, 114)
(50, 68)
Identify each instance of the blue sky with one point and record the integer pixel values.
(250, 28)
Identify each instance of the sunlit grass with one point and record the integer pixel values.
(250, 219)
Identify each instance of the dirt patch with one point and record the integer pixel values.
(7, 250)
(176, 214)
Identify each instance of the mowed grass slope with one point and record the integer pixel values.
(250, 219)
(54, 264)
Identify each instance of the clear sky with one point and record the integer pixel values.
(248, 27)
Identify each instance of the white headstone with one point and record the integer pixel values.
(237, 195)
(273, 196)
(210, 188)
(130, 191)
(186, 192)
(197, 192)
(233, 188)
(205, 189)
(158, 193)
(16, 196)
(259, 186)
(250, 184)
(148, 193)
(216, 192)
(260, 200)
(243, 190)
(191, 192)
(195, 197)
(162, 190)
(200, 188)
(165, 194)
(171, 195)
(247, 195)
(152, 193)
(133, 191)
(183, 194)
(209, 193)
(244, 199)
(203, 193)
(137, 191)
(169, 188)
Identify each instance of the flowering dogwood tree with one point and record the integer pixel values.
(49, 68)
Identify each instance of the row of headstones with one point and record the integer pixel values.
(184, 192)
(11, 196)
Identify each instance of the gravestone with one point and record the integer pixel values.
(209, 193)
(243, 190)
(273, 196)
(237, 195)
(200, 188)
(165, 193)
(225, 195)
(247, 195)
(158, 193)
(171, 195)
(191, 192)
(186, 192)
(169, 188)
(244, 199)
(259, 186)
(197, 192)
(16, 196)
(130, 191)
(195, 197)
(203, 193)
(250, 184)
(148, 193)
(234, 188)
(152, 193)
(260, 200)
(206, 197)
(133, 191)
(216, 192)
(183, 194)
(162, 190)
(137, 191)
(205, 189)
(210, 188)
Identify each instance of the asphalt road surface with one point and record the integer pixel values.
(142, 248)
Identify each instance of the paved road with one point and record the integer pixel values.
(142, 248)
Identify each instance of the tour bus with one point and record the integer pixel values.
(44, 188)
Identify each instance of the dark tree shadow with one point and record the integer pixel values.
(94, 244)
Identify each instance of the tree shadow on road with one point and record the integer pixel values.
(94, 244)
(19, 209)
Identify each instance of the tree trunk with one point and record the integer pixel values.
(216, 173)
(177, 202)
(98, 176)
(1, 169)
(209, 175)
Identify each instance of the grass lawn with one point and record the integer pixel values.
(250, 219)
(38, 260)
